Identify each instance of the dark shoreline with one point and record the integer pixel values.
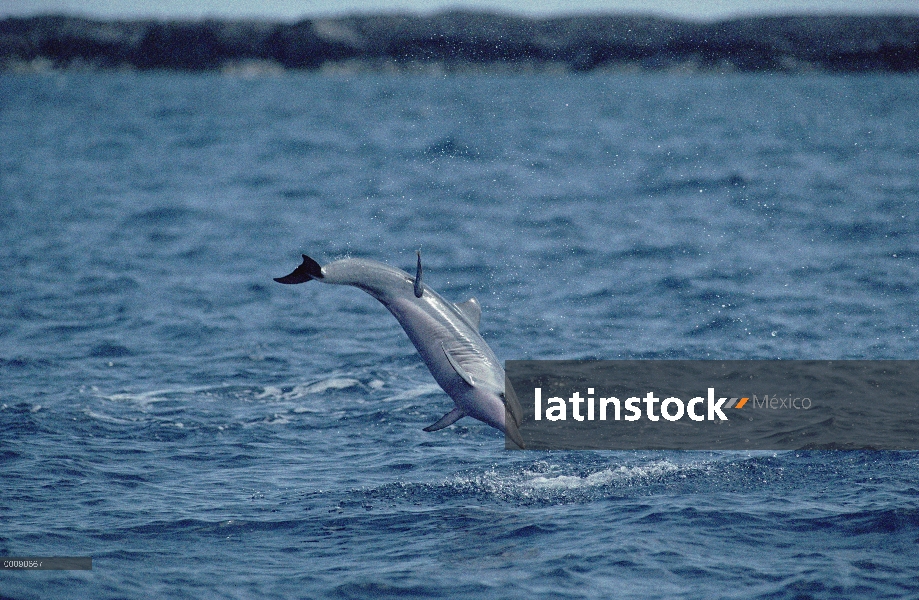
(467, 41)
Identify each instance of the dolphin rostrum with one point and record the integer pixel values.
(445, 334)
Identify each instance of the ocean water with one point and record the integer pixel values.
(202, 432)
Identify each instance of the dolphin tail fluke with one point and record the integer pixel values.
(310, 269)
(448, 419)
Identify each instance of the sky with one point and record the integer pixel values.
(291, 10)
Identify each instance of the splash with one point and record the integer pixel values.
(555, 483)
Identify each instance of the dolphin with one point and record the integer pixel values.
(446, 336)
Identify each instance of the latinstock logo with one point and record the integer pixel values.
(611, 408)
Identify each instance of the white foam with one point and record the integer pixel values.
(152, 396)
(543, 483)
(276, 419)
(419, 390)
(299, 391)
(336, 383)
(258, 393)
(270, 392)
(107, 418)
(604, 477)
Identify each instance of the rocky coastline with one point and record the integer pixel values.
(465, 41)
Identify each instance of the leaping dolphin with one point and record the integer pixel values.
(446, 336)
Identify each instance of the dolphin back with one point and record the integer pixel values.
(380, 280)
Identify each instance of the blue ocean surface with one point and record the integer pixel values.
(203, 432)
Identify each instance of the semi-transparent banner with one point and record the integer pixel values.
(713, 405)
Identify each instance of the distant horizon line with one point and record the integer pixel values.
(469, 11)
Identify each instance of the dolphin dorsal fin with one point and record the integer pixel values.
(419, 289)
(457, 367)
(471, 310)
(448, 419)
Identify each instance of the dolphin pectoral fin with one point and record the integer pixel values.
(419, 290)
(310, 269)
(448, 419)
(457, 367)
(512, 404)
(471, 310)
